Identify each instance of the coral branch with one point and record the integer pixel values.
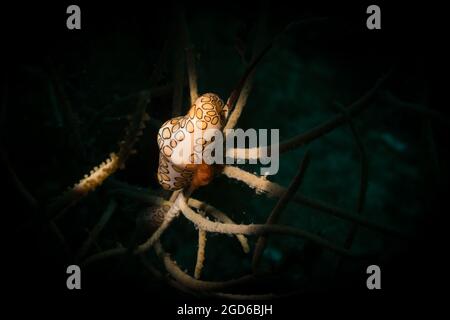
(192, 73)
(278, 209)
(190, 60)
(171, 214)
(116, 161)
(246, 79)
(174, 195)
(260, 184)
(421, 110)
(220, 216)
(60, 236)
(200, 253)
(158, 275)
(70, 117)
(354, 109)
(248, 82)
(97, 228)
(132, 134)
(254, 229)
(183, 282)
(178, 65)
(192, 283)
(271, 189)
(97, 176)
(364, 171)
(104, 110)
(134, 130)
(314, 133)
(120, 250)
(240, 104)
(234, 96)
(143, 195)
(17, 183)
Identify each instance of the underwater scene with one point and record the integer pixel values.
(200, 151)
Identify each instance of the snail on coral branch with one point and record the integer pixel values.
(183, 139)
(177, 136)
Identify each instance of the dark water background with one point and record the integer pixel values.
(105, 64)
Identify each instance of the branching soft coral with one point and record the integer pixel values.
(199, 213)
(115, 161)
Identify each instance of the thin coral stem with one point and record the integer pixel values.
(354, 109)
(134, 130)
(220, 216)
(421, 110)
(183, 282)
(106, 216)
(190, 59)
(192, 74)
(143, 195)
(60, 236)
(116, 161)
(174, 195)
(16, 181)
(255, 229)
(182, 277)
(240, 104)
(104, 110)
(178, 65)
(248, 82)
(70, 117)
(278, 209)
(170, 215)
(272, 189)
(119, 251)
(158, 275)
(364, 172)
(243, 88)
(126, 146)
(200, 253)
(246, 79)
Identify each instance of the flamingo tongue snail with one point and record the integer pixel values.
(177, 134)
(186, 135)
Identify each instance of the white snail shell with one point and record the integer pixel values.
(176, 136)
